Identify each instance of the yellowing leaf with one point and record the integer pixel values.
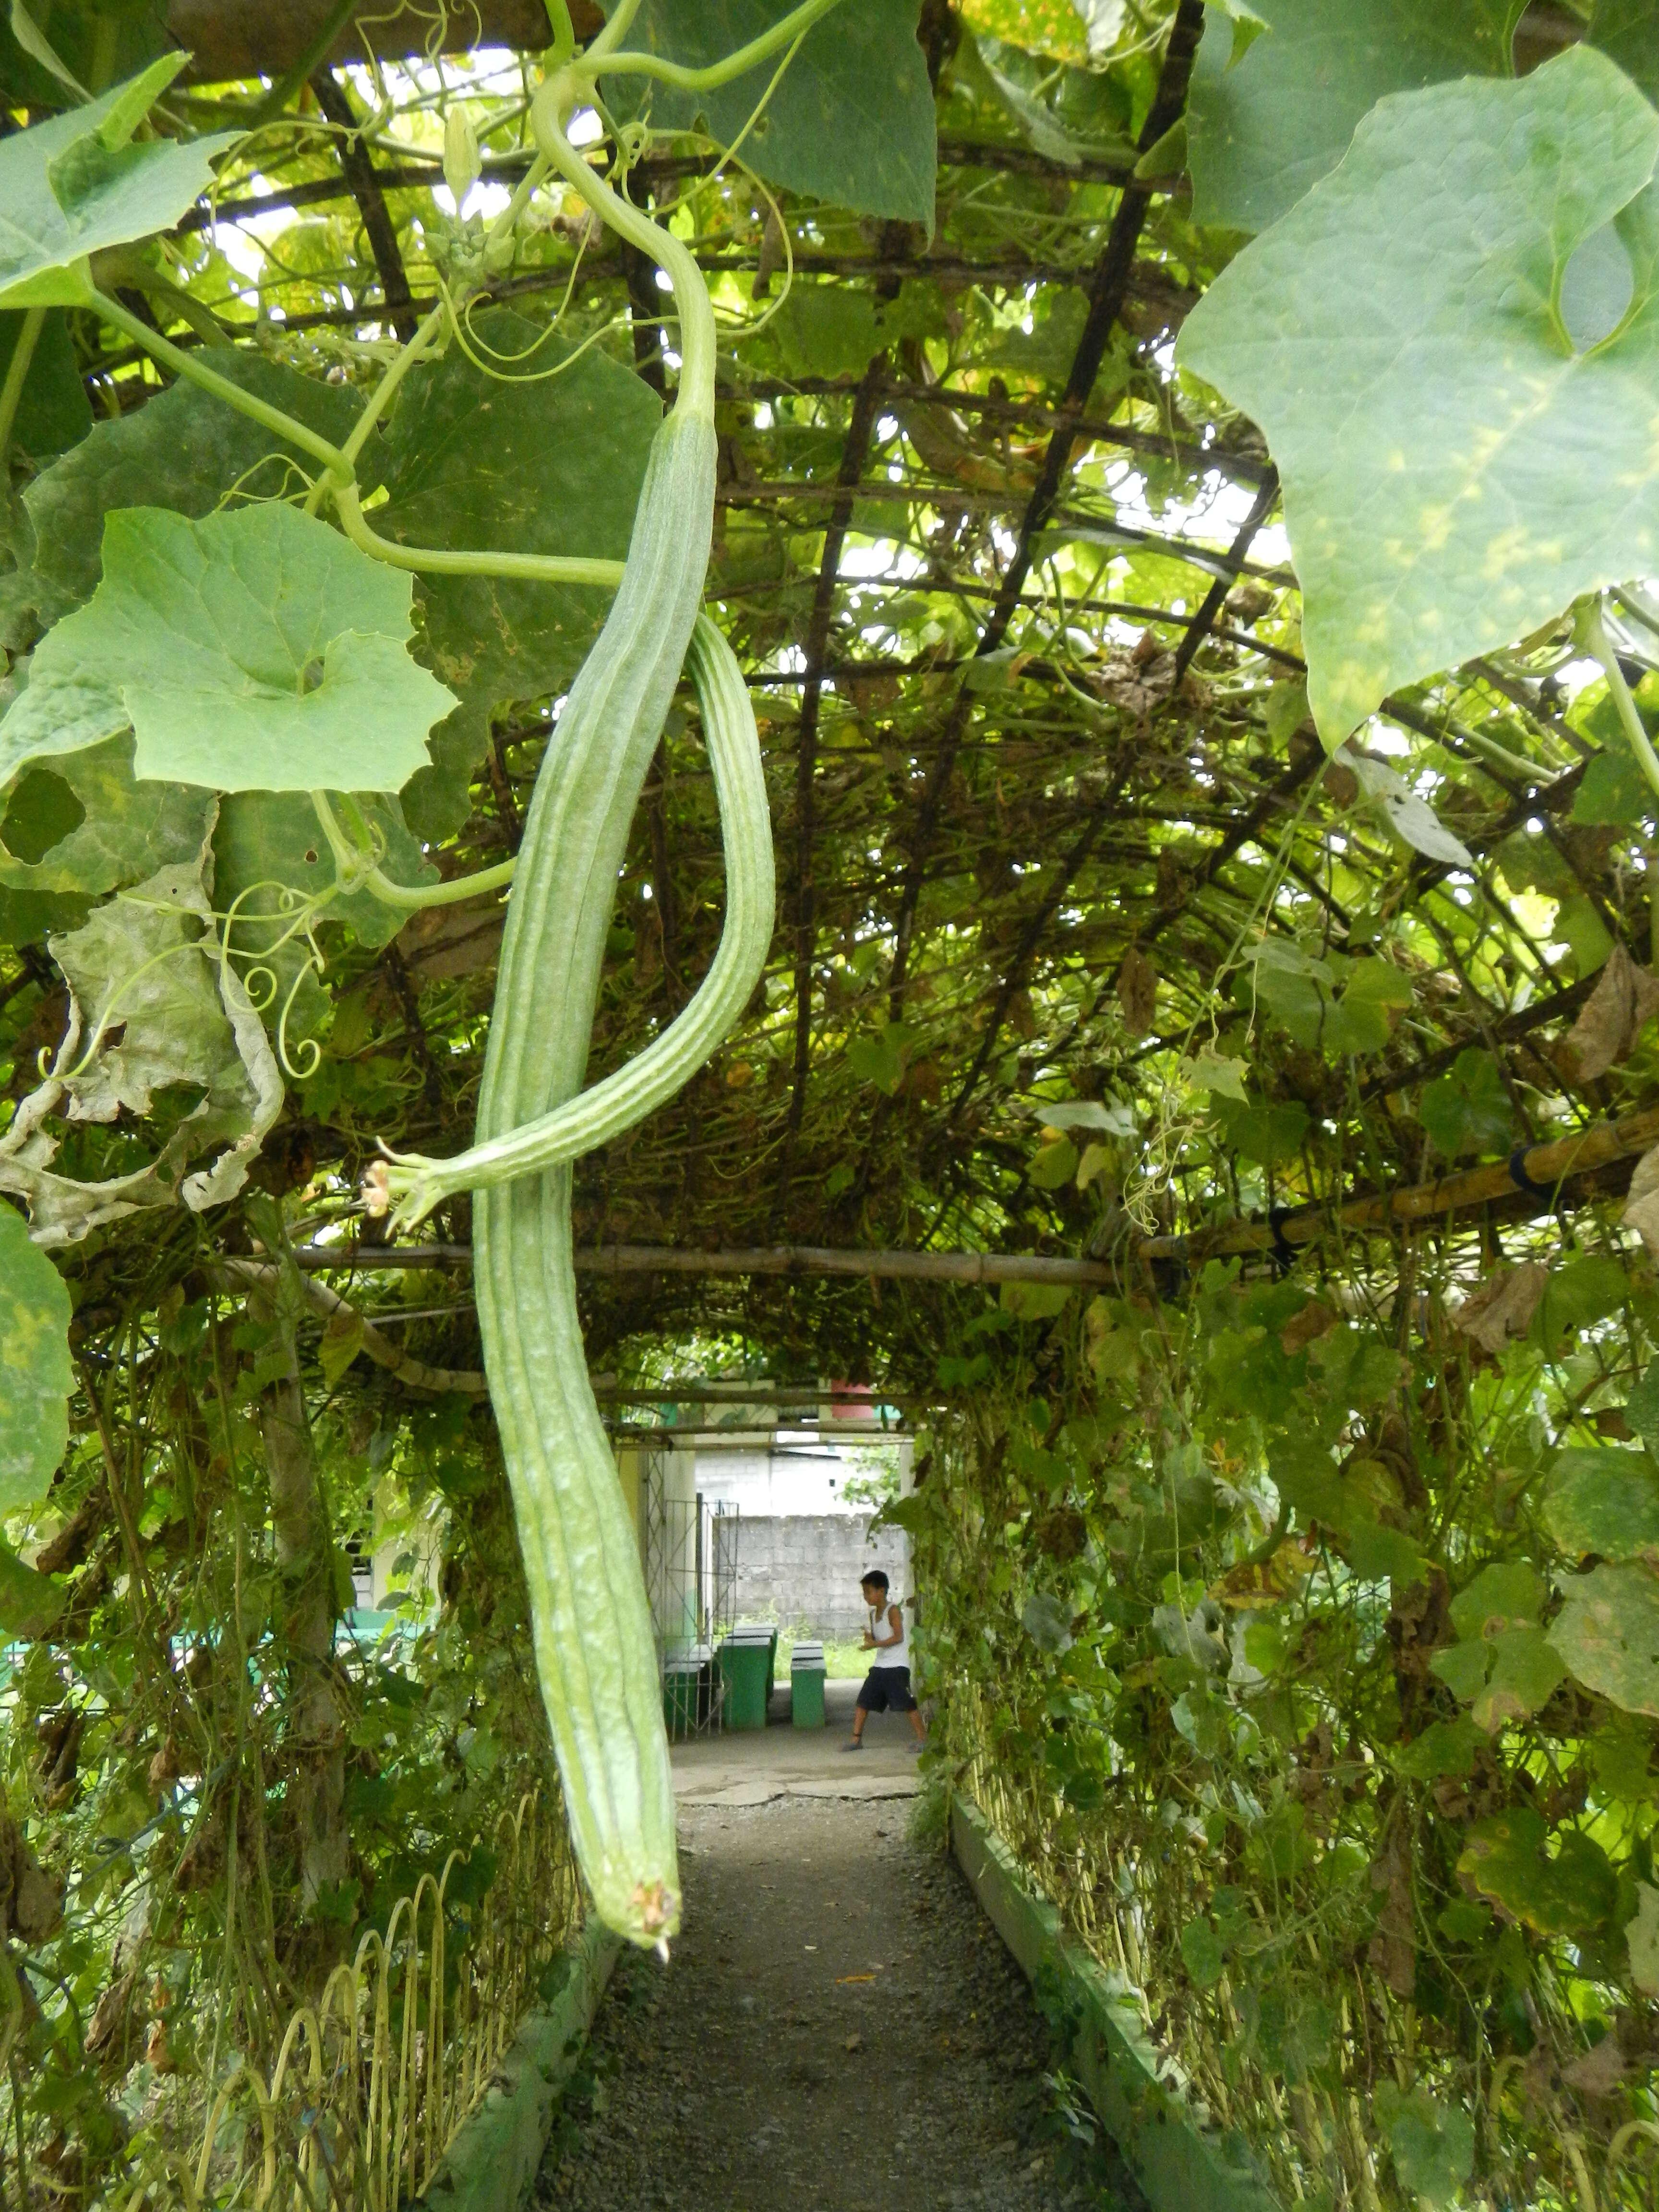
(1397, 337)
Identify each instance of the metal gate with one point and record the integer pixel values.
(690, 1552)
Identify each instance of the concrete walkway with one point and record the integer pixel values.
(753, 1766)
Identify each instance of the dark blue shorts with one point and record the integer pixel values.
(887, 1690)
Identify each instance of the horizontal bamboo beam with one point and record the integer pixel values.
(1539, 1174)
(761, 1260)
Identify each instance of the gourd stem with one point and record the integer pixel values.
(795, 24)
(386, 391)
(196, 372)
(426, 559)
(607, 41)
(695, 395)
(17, 372)
(595, 1116)
(1592, 633)
(358, 871)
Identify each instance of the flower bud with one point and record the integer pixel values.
(462, 166)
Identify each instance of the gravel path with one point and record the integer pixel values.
(840, 2027)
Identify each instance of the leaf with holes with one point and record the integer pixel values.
(253, 651)
(81, 825)
(1609, 1634)
(1460, 420)
(34, 1318)
(78, 183)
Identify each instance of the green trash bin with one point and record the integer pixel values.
(806, 1685)
(746, 1672)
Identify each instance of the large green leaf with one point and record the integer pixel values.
(78, 183)
(549, 466)
(184, 449)
(1609, 1634)
(81, 32)
(1605, 1502)
(1454, 470)
(29, 1603)
(1504, 1858)
(54, 412)
(852, 121)
(1433, 2142)
(1265, 125)
(34, 1318)
(256, 650)
(1629, 31)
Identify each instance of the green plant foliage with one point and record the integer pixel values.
(852, 120)
(54, 412)
(1604, 1502)
(1629, 31)
(80, 182)
(185, 450)
(29, 1603)
(1609, 1634)
(1355, 388)
(35, 1314)
(1433, 2143)
(550, 464)
(254, 651)
(1468, 1109)
(1268, 119)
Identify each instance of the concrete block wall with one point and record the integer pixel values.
(802, 1570)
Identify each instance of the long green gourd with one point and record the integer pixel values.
(595, 1649)
(595, 1645)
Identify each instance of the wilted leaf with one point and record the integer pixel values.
(1609, 1634)
(256, 650)
(1599, 2072)
(1502, 1306)
(1412, 818)
(1642, 1201)
(1625, 999)
(148, 963)
(1306, 1326)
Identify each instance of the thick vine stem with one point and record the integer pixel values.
(418, 1184)
(554, 102)
(795, 24)
(426, 559)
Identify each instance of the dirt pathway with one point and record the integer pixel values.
(840, 2028)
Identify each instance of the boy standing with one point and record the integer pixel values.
(887, 1685)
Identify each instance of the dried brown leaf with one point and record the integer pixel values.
(1502, 1306)
(1137, 991)
(1625, 999)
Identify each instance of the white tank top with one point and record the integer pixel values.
(895, 1654)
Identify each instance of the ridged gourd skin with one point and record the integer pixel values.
(595, 1649)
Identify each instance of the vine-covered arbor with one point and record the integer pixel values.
(1180, 504)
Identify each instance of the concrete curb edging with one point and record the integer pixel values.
(1181, 2165)
(498, 2149)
